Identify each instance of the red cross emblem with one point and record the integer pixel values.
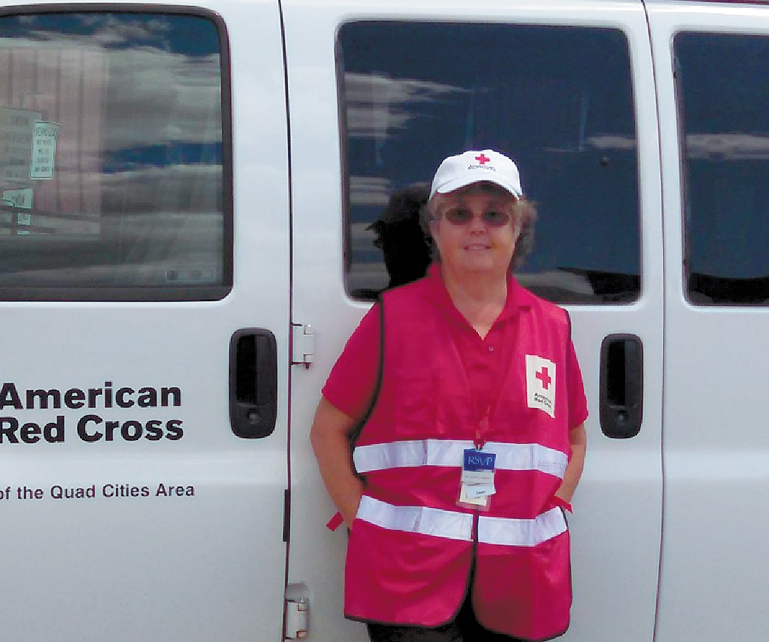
(482, 159)
(544, 377)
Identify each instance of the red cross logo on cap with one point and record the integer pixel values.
(482, 159)
(544, 377)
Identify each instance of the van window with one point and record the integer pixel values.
(559, 101)
(114, 161)
(723, 107)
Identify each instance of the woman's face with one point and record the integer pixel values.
(467, 233)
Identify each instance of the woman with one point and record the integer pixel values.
(476, 440)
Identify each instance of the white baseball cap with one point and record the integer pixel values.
(475, 167)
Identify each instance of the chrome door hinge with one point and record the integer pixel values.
(303, 344)
(297, 612)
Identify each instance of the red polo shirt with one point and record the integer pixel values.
(352, 380)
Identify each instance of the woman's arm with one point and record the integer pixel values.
(578, 440)
(330, 438)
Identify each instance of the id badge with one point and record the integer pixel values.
(477, 477)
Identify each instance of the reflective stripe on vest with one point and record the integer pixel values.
(448, 452)
(521, 532)
(416, 519)
(437, 522)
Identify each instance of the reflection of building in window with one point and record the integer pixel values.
(51, 120)
(16, 127)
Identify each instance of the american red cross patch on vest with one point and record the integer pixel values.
(540, 384)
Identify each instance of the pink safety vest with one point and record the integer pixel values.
(412, 548)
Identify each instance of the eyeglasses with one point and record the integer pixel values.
(492, 218)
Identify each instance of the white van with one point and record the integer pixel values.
(187, 192)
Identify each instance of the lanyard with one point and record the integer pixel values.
(499, 369)
(483, 428)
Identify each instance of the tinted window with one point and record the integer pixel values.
(724, 102)
(113, 170)
(557, 100)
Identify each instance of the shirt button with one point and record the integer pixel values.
(491, 348)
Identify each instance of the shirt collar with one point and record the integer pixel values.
(436, 290)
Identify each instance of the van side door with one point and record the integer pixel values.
(144, 296)
(711, 63)
(380, 93)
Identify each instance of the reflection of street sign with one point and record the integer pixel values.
(21, 198)
(16, 127)
(23, 219)
(43, 150)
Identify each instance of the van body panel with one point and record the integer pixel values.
(715, 449)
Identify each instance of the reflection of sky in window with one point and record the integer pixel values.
(187, 35)
(164, 111)
(558, 101)
(725, 100)
(131, 158)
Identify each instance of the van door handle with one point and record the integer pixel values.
(621, 386)
(253, 383)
